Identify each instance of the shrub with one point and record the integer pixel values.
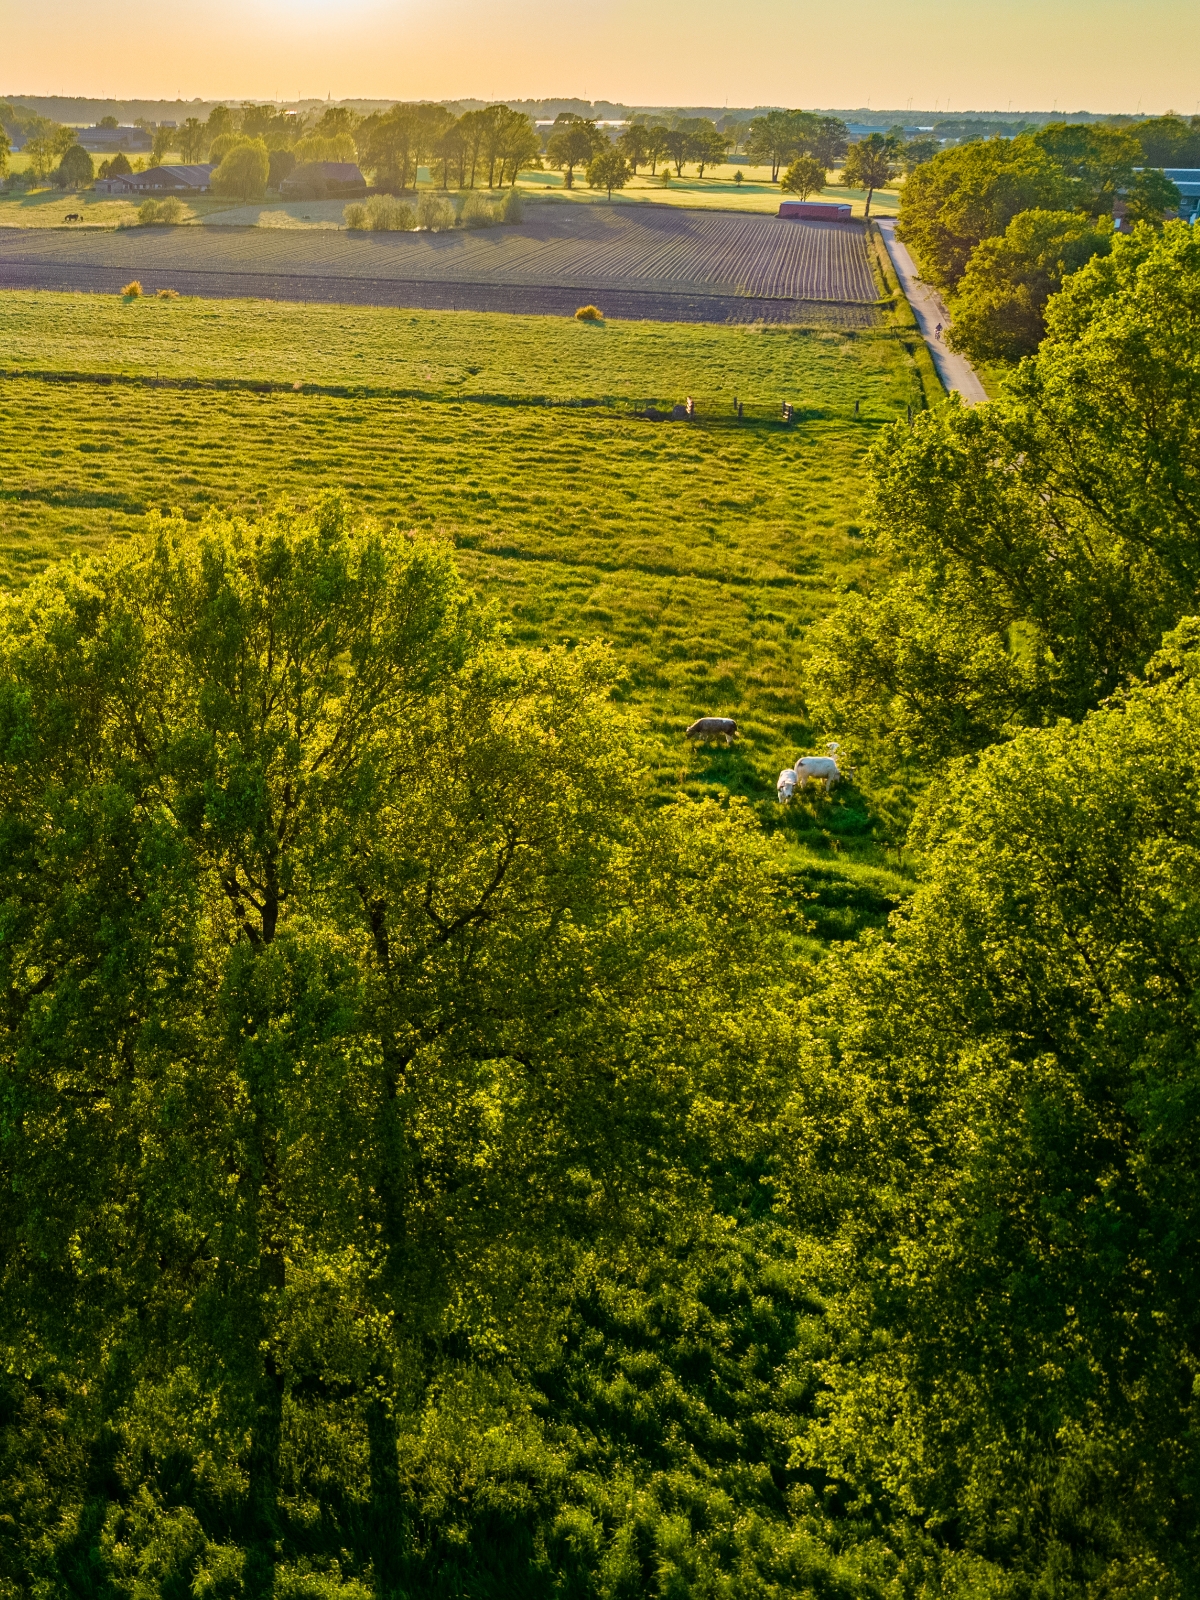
(478, 212)
(132, 291)
(512, 208)
(355, 216)
(75, 170)
(385, 214)
(434, 213)
(589, 314)
(243, 172)
(167, 294)
(157, 212)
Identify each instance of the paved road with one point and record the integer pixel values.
(955, 371)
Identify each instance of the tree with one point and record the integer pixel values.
(1030, 1026)
(5, 147)
(1150, 197)
(870, 164)
(608, 170)
(191, 139)
(46, 148)
(1169, 141)
(972, 192)
(805, 176)
(1000, 304)
(1098, 162)
(634, 145)
(75, 170)
(1039, 546)
(387, 1001)
(280, 165)
(775, 138)
(518, 145)
(572, 143)
(830, 141)
(916, 152)
(706, 146)
(243, 172)
(677, 144)
(108, 122)
(656, 146)
(220, 121)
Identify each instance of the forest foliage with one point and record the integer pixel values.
(434, 1166)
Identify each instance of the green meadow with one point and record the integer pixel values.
(701, 552)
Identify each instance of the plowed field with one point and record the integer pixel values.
(652, 261)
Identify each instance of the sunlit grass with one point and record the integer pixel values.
(701, 553)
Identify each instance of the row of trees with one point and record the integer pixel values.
(1001, 223)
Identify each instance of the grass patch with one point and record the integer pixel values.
(702, 552)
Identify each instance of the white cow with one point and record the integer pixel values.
(821, 769)
(785, 785)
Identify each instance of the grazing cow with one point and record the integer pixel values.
(821, 769)
(785, 785)
(713, 728)
(73, 216)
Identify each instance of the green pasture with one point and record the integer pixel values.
(701, 552)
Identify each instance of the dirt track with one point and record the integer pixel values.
(652, 262)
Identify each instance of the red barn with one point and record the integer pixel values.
(815, 210)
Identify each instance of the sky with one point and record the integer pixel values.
(1096, 55)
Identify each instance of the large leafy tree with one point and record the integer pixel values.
(349, 990)
(1000, 306)
(1039, 546)
(1098, 162)
(994, 1138)
(870, 164)
(573, 141)
(972, 192)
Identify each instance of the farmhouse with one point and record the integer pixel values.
(164, 180)
(815, 210)
(319, 180)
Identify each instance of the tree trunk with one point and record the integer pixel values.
(386, 1524)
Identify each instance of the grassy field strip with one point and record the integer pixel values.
(454, 354)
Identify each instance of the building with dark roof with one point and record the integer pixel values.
(107, 141)
(321, 180)
(170, 180)
(1187, 181)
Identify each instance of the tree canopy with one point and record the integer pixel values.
(1040, 545)
(999, 309)
(358, 1001)
(243, 171)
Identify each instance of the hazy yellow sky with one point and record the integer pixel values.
(1102, 55)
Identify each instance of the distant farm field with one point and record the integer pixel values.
(650, 261)
(701, 552)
